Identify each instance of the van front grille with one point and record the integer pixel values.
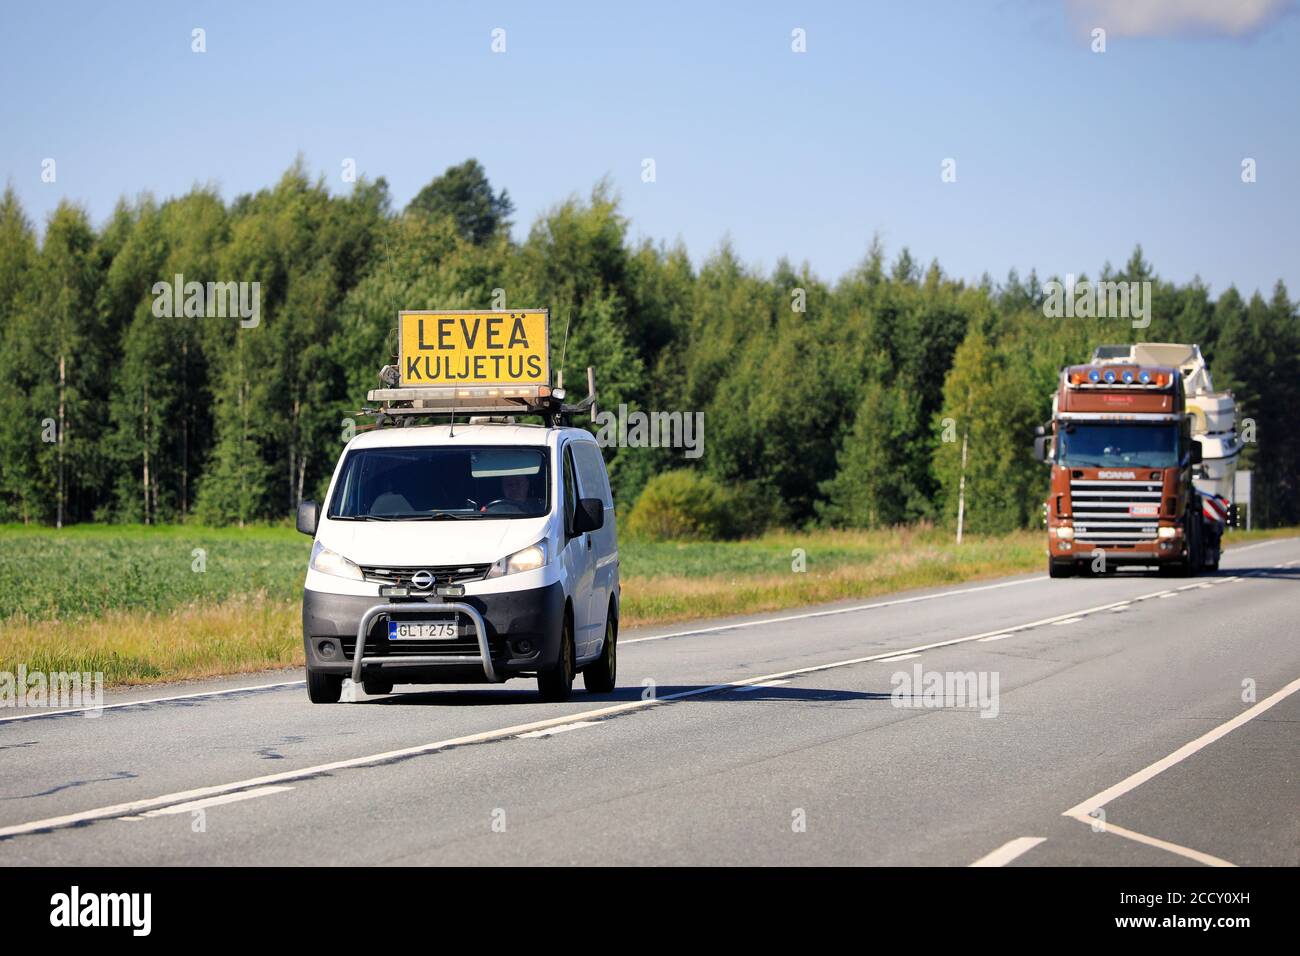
(442, 574)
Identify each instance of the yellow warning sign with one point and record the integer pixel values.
(474, 348)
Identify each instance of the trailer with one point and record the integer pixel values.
(1142, 453)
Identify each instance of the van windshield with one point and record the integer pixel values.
(427, 484)
(1126, 445)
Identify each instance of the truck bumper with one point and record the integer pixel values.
(520, 633)
(1147, 552)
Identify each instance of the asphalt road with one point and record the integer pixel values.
(1126, 720)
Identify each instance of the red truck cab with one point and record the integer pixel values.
(1122, 459)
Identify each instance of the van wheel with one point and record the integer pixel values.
(376, 687)
(556, 682)
(324, 688)
(600, 674)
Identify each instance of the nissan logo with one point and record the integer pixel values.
(422, 580)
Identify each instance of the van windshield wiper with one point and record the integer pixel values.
(435, 516)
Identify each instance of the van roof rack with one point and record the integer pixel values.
(405, 406)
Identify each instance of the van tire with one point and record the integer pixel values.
(600, 675)
(376, 687)
(555, 684)
(324, 688)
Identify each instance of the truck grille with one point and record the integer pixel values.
(1113, 512)
(445, 574)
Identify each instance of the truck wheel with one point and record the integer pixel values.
(556, 683)
(599, 675)
(1195, 544)
(1060, 569)
(376, 687)
(324, 688)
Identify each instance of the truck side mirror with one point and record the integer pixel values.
(589, 515)
(1040, 430)
(1040, 447)
(308, 517)
(1197, 452)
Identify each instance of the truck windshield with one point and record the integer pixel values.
(1116, 445)
(428, 484)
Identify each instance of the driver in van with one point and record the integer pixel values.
(515, 491)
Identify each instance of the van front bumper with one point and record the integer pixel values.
(520, 632)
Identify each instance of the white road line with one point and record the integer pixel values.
(766, 683)
(635, 640)
(841, 610)
(623, 643)
(149, 803)
(137, 806)
(995, 637)
(562, 729)
(1068, 620)
(1009, 851)
(1186, 851)
(1119, 608)
(1251, 547)
(1080, 811)
(157, 700)
(210, 802)
(1167, 594)
(898, 657)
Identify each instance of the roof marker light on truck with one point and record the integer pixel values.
(1110, 376)
(1094, 376)
(1128, 377)
(1144, 377)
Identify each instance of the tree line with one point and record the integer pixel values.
(836, 403)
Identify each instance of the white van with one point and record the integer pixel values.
(466, 553)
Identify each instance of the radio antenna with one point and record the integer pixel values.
(564, 349)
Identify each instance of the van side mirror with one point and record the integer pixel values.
(308, 517)
(1040, 448)
(1197, 452)
(589, 515)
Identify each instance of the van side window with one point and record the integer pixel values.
(591, 472)
(570, 503)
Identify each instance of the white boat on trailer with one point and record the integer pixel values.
(1213, 414)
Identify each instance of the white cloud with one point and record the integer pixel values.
(1153, 18)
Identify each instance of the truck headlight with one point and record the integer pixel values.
(1066, 532)
(331, 562)
(528, 559)
(1166, 531)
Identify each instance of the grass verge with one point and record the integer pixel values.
(246, 616)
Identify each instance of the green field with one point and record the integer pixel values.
(129, 601)
(88, 569)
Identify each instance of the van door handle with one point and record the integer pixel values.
(588, 537)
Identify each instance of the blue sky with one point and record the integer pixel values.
(1065, 157)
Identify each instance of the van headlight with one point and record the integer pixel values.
(528, 559)
(331, 562)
